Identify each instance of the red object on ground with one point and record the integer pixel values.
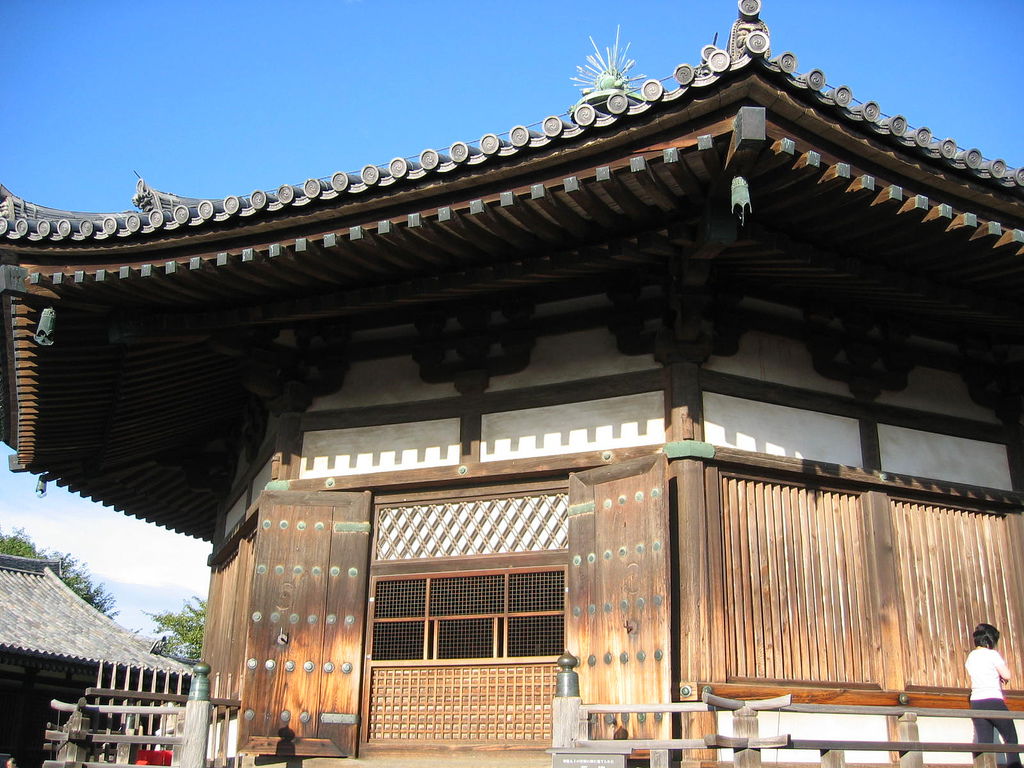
(153, 757)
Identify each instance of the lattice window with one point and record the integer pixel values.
(470, 703)
(481, 616)
(398, 640)
(465, 638)
(479, 527)
(535, 635)
(536, 591)
(399, 598)
(463, 595)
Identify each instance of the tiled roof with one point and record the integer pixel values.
(749, 48)
(28, 564)
(41, 617)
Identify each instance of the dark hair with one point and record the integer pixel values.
(986, 636)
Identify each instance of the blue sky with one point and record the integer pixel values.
(216, 98)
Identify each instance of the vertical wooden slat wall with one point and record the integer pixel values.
(798, 599)
(227, 610)
(957, 568)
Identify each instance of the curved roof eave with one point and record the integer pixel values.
(162, 215)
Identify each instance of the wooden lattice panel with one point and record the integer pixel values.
(957, 568)
(798, 591)
(477, 527)
(461, 703)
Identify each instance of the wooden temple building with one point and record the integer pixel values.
(714, 382)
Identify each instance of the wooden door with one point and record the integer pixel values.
(304, 643)
(619, 589)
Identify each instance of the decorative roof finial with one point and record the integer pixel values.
(749, 35)
(607, 75)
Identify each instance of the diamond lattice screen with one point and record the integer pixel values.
(483, 527)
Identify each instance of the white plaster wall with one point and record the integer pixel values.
(943, 457)
(382, 382)
(361, 450)
(775, 359)
(780, 430)
(937, 391)
(947, 729)
(262, 478)
(234, 514)
(615, 422)
(801, 725)
(573, 356)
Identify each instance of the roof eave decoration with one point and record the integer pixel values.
(749, 45)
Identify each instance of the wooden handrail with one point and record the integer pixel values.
(112, 709)
(575, 738)
(855, 709)
(176, 698)
(829, 709)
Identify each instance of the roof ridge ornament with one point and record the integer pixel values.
(605, 80)
(749, 35)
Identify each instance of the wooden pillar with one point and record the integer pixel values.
(870, 449)
(833, 758)
(907, 730)
(75, 749)
(683, 417)
(693, 599)
(566, 707)
(288, 447)
(197, 719)
(1015, 455)
(744, 725)
(696, 633)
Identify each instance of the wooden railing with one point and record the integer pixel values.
(146, 727)
(572, 744)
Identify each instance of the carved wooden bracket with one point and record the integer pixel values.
(992, 380)
(868, 355)
(469, 345)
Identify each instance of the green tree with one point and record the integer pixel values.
(183, 629)
(73, 572)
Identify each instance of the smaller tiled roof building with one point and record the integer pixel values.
(51, 645)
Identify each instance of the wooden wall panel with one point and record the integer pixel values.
(798, 599)
(956, 568)
(226, 611)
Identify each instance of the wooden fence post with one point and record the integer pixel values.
(907, 730)
(744, 724)
(76, 748)
(566, 706)
(197, 719)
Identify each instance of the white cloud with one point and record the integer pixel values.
(145, 567)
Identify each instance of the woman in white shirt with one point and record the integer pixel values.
(988, 672)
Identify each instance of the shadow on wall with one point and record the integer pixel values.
(745, 442)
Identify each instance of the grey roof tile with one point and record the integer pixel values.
(167, 212)
(41, 616)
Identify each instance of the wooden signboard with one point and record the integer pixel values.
(619, 590)
(304, 644)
